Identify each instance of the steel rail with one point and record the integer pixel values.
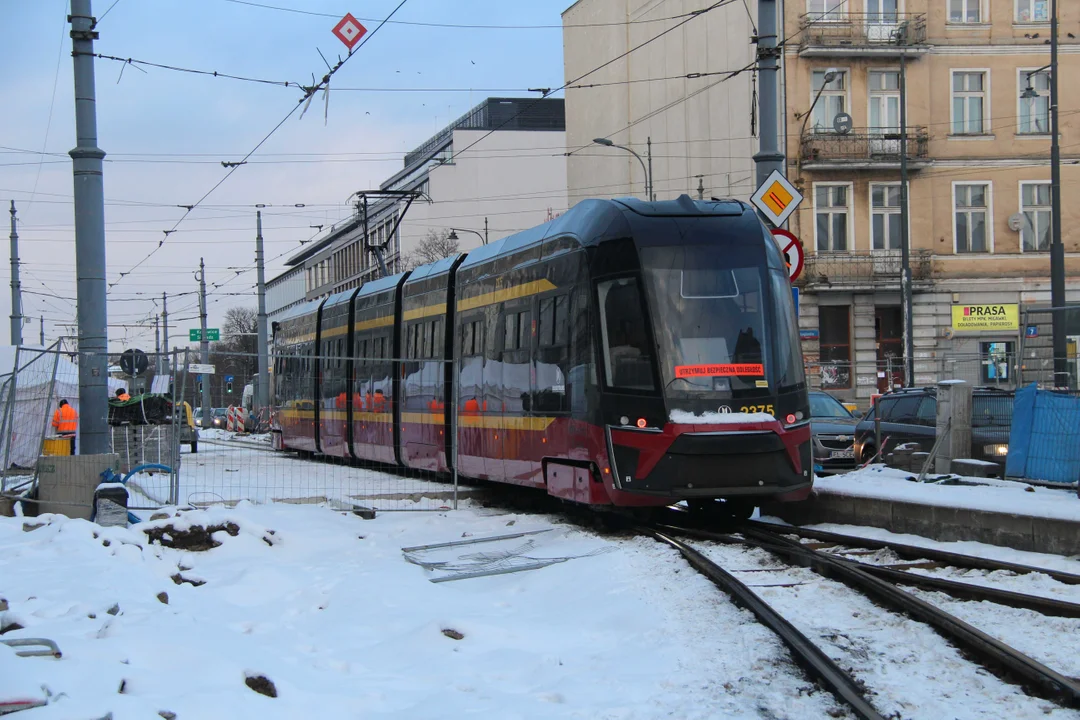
(807, 655)
(1058, 687)
(912, 552)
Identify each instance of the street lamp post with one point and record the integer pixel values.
(648, 177)
(1057, 248)
(483, 237)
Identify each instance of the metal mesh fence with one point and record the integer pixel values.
(28, 399)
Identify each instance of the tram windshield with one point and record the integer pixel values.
(719, 328)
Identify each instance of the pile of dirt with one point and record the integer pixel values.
(195, 538)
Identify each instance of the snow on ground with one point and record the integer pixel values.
(682, 417)
(326, 608)
(909, 669)
(1004, 496)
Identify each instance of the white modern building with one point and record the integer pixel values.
(498, 169)
(678, 90)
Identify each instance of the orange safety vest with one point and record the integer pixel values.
(65, 419)
(124, 397)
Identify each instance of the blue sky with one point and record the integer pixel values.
(166, 133)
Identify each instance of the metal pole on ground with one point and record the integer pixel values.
(1057, 248)
(157, 345)
(905, 239)
(89, 241)
(16, 287)
(263, 387)
(769, 156)
(204, 345)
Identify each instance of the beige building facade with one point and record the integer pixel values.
(978, 149)
(676, 90)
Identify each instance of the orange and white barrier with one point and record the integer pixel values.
(232, 420)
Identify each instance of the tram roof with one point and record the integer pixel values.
(594, 221)
(439, 267)
(377, 286)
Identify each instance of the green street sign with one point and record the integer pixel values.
(212, 334)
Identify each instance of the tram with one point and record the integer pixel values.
(626, 353)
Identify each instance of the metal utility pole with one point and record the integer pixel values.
(485, 231)
(157, 344)
(648, 152)
(165, 331)
(769, 156)
(263, 388)
(16, 286)
(42, 331)
(204, 346)
(89, 241)
(905, 238)
(1057, 248)
(701, 187)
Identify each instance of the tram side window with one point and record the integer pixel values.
(552, 355)
(627, 358)
(472, 338)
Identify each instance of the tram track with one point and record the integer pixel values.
(881, 586)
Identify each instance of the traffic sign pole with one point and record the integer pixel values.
(776, 198)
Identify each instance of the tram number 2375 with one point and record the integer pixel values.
(757, 409)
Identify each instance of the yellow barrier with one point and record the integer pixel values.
(57, 446)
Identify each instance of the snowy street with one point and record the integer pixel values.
(325, 607)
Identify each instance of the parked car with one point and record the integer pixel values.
(910, 416)
(832, 427)
(217, 417)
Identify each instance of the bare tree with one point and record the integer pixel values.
(435, 246)
(236, 354)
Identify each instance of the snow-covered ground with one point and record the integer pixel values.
(327, 609)
(992, 495)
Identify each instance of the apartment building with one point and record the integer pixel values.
(641, 70)
(978, 151)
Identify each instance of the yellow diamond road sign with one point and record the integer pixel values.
(776, 198)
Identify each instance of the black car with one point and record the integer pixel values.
(910, 416)
(833, 430)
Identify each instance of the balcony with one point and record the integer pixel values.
(863, 149)
(846, 34)
(879, 270)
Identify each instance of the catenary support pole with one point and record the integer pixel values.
(165, 327)
(42, 331)
(263, 397)
(204, 346)
(769, 156)
(157, 345)
(89, 241)
(905, 237)
(16, 287)
(1057, 247)
(648, 150)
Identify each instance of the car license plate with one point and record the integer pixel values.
(842, 454)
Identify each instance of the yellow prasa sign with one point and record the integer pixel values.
(1003, 317)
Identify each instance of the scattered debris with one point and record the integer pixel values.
(6, 627)
(114, 610)
(195, 538)
(3, 604)
(167, 714)
(163, 597)
(453, 634)
(180, 579)
(262, 685)
(123, 686)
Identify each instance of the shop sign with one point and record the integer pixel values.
(1001, 317)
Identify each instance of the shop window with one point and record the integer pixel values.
(996, 360)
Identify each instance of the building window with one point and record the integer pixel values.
(1035, 207)
(965, 11)
(834, 327)
(1032, 11)
(826, 10)
(972, 205)
(968, 103)
(884, 101)
(831, 213)
(1034, 115)
(885, 216)
(832, 102)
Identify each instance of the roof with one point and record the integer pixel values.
(383, 283)
(440, 267)
(595, 221)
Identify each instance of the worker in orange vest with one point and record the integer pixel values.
(65, 419)
(122, 395)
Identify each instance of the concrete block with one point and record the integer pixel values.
(1060, 537)
(66, 484)
(975, 468)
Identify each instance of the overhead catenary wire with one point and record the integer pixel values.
(308, 94)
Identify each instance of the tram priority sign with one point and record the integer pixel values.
(777, 198)
(200, 369)
(792, 250)
(212, 335)
(349, 31)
